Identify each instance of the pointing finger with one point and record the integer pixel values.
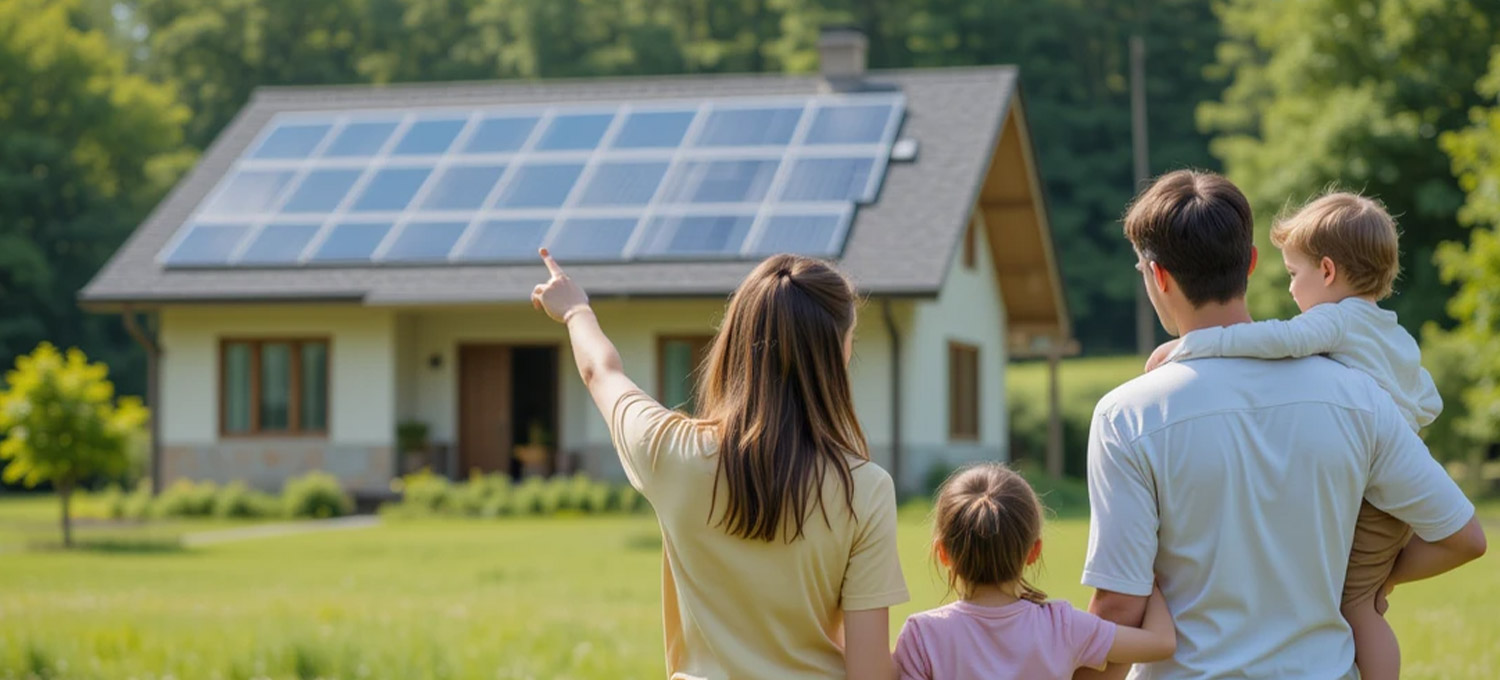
(551, 263)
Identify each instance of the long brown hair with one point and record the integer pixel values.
(987, 519)
(776, 387)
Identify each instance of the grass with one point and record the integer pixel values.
(557, 598)
(1084, 379)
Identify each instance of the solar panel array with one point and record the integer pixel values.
(721, 178)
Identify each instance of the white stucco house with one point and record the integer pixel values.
(344, 260)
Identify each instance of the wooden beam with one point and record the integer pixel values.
(1055, 461)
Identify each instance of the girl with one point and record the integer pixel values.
(988, 526)
(779, 534)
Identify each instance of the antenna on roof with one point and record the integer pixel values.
(842, 57)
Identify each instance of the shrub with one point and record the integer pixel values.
(139, 504)
(481, 491)
(186, 498)
(629, 500)
(556, 492)
(577, 492)
(315, 494)
(526, 499)
(937, 473)
(239, 501)
(599, 498)
(424, 493)
(111, 502)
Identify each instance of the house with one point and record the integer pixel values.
(345, 260)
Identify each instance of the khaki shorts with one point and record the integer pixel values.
(1378, 539)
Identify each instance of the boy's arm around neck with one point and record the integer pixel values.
(1319, 330)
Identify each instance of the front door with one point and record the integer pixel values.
(485, 423)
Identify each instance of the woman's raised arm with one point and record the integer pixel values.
(598, 362)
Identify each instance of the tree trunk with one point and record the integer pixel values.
(65, 492)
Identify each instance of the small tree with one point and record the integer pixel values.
(62, 423)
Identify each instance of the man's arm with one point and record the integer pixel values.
(1408, 483)
(1123, 528)
(1319, 330)
(1125, 610)
(1426, 559)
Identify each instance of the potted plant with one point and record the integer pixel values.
(411, 441)
(536, 452)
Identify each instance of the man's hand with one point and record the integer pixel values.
(1381, 601)
(1161, 354)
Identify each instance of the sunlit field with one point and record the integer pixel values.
(569, 597)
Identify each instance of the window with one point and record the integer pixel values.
(274, 387)
(963, 391)
(677, 361)
(971, 255)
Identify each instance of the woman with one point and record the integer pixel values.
(779, 534)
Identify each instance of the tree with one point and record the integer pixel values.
(1352, 93)
(62, 424)
(85, 149)
(1473, 419)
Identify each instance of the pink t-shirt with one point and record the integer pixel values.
(1021, 640)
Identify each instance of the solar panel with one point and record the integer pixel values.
(829, 179)
(391, 189)
(715, 178)
(427, 137)
(462, 187)
(322, 191)
(292, 141)
(500, 134)
(351, 242)
(690, 235)
(359, 139)
(430, 241)
(502, 240)
(207, 244)
(279, 243)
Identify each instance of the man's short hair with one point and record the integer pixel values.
(1354, 231)
(1197, 226)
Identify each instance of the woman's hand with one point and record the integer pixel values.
(559, 297)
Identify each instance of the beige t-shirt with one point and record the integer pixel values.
(735, 608)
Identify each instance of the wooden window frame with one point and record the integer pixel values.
(294, 407)
(958, 352)
(706, 340)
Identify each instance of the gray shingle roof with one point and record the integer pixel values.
(899, 245)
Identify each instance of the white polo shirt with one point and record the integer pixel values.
(1235, 484)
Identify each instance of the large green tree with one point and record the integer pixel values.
(1354, 94)
(86, 148)
(1471, 350)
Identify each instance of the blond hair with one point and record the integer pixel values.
(1354, 231)
(987, 519)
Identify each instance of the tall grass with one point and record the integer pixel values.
(571, 597)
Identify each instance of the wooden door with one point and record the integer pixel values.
(484, 408)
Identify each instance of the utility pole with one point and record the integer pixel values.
(1145, 319)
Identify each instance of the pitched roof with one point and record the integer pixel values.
(901, 244)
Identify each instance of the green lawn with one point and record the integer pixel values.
(534, 598)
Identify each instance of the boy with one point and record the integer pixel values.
(1341, 251)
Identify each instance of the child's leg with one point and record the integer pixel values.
(1376, 652)
(1378, 539)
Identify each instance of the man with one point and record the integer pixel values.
(1235, 483)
